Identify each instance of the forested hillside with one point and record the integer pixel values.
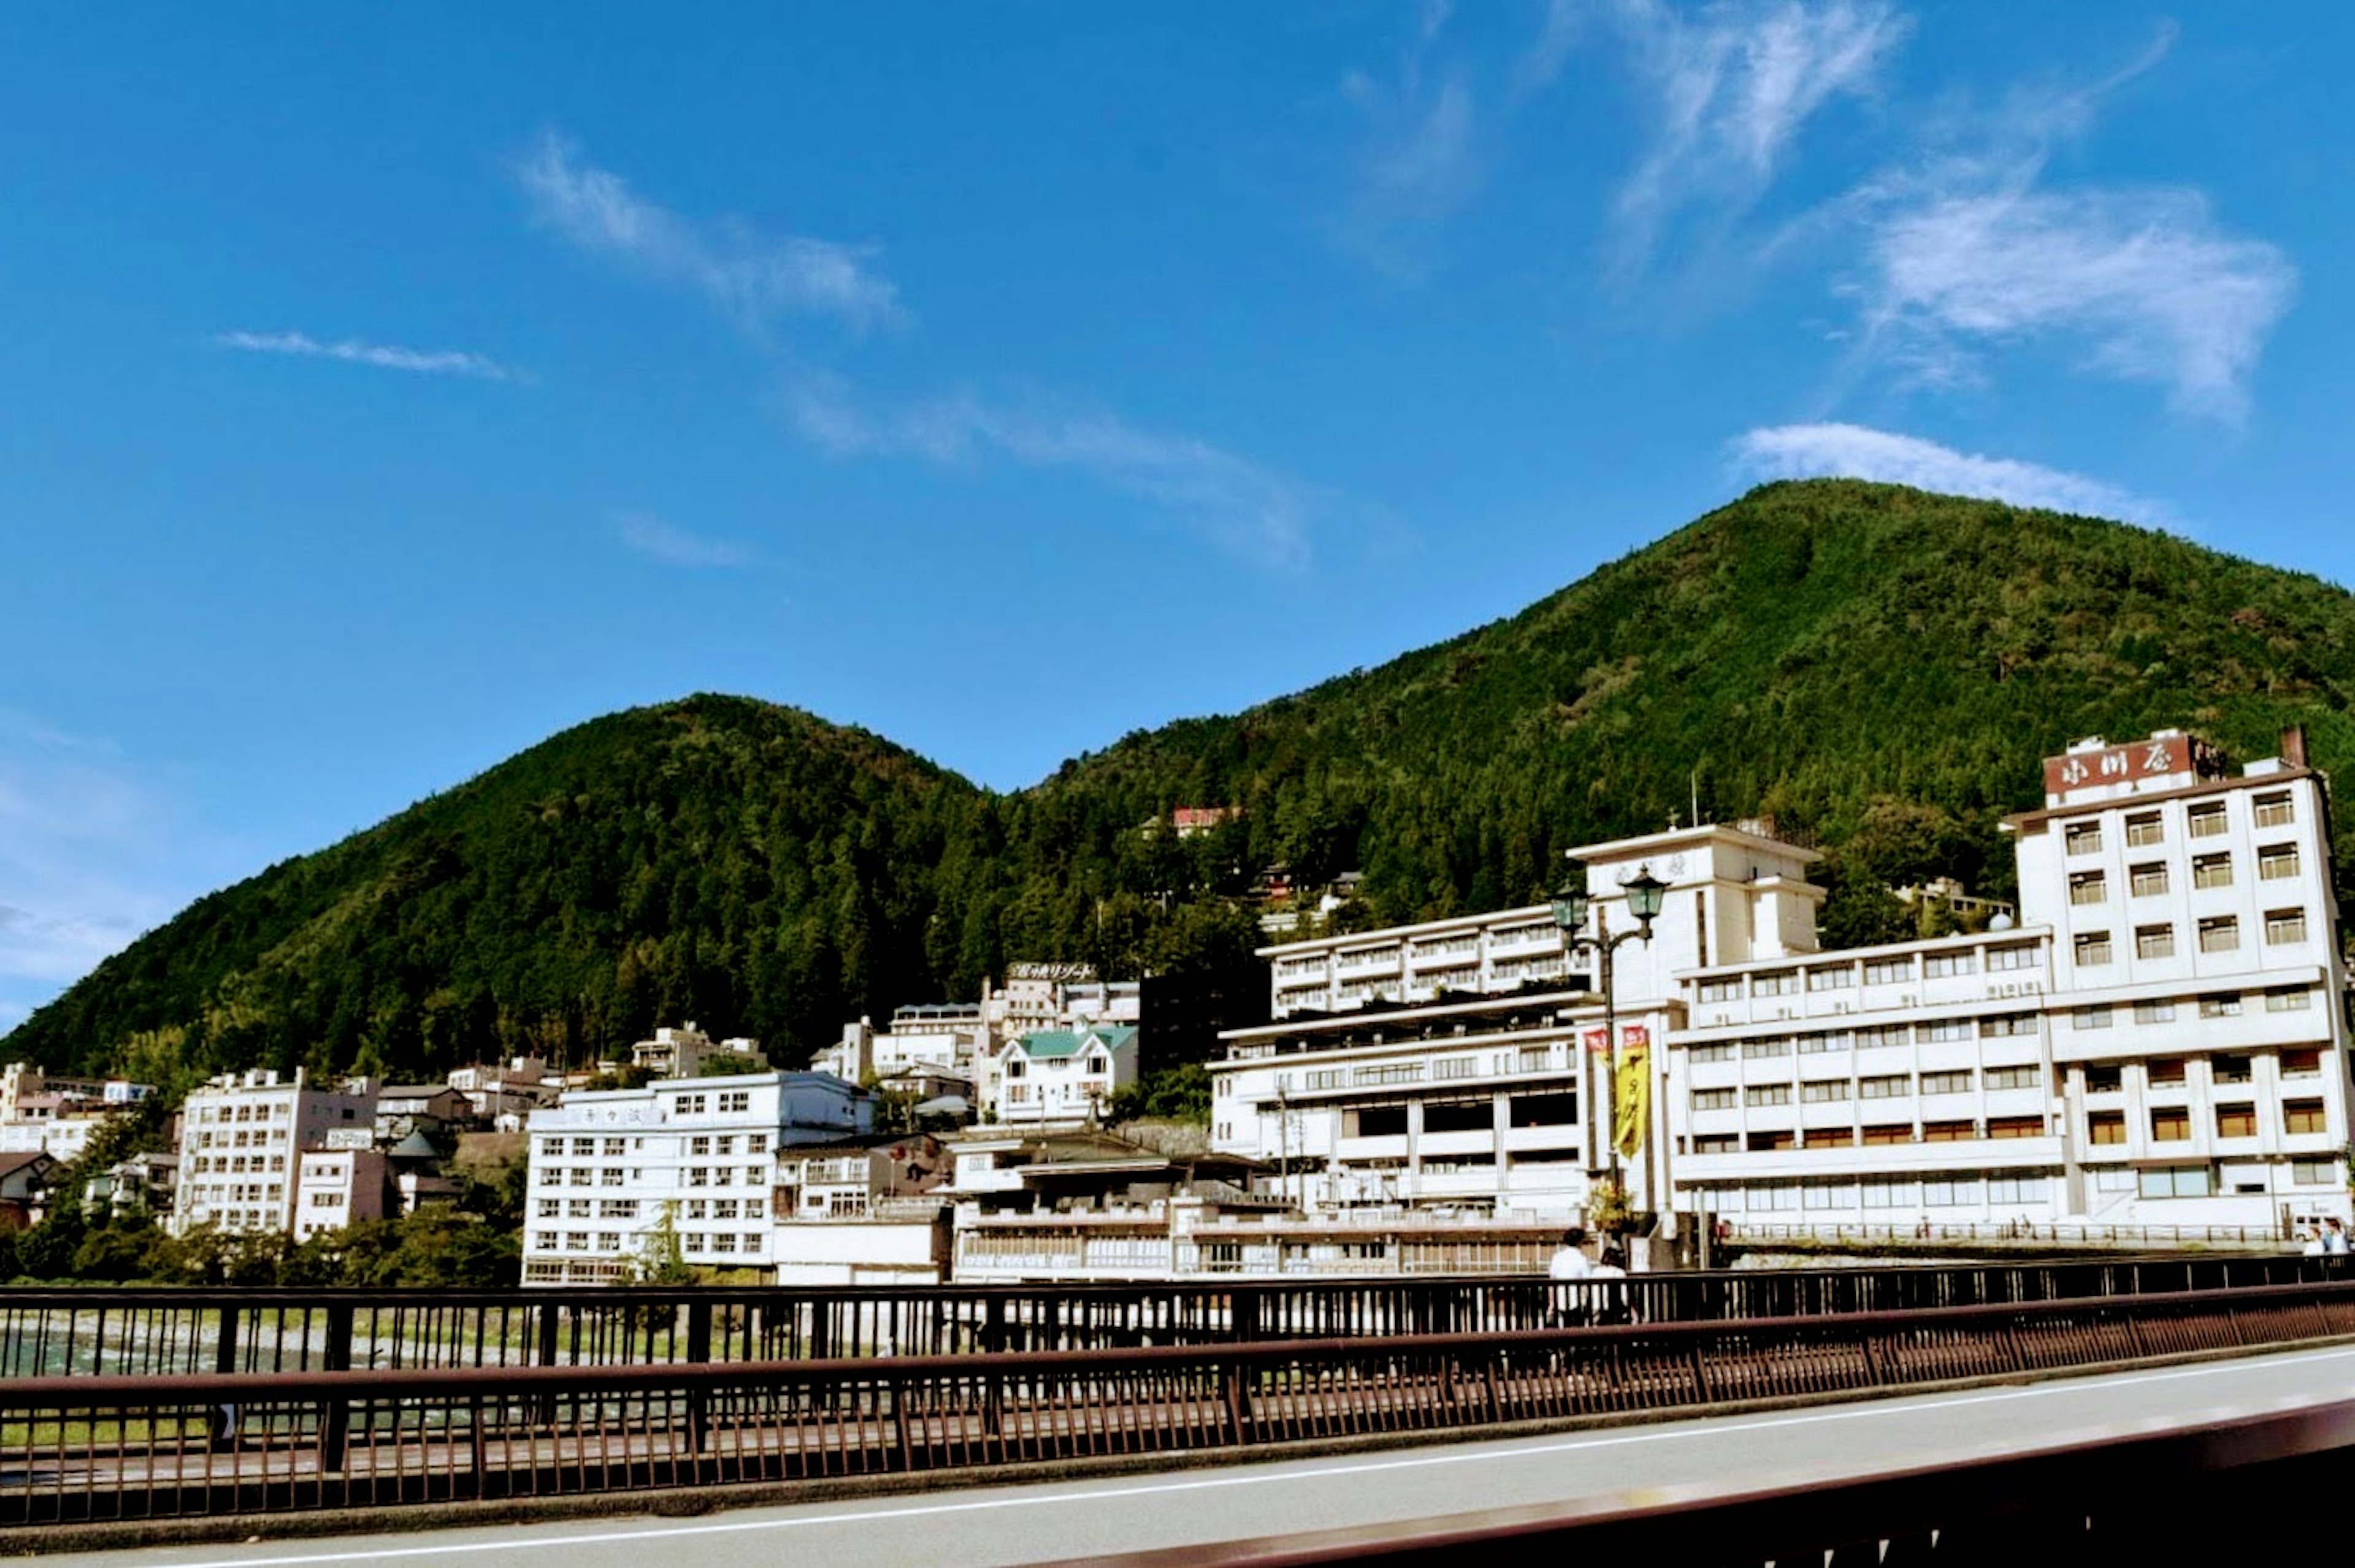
(1877, 666)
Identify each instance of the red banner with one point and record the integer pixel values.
(1598, 1041)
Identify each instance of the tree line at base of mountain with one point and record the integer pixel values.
(1875, 667)
(473, 1241)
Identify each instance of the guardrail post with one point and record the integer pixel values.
(899, 1387)
(1239, 1410)
(993, 1325)
(1242, 1313)
(698, 1398)
(225, 1340)
(335, 1410)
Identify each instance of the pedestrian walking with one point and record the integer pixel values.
(1570, 1264)
(1611, 1287)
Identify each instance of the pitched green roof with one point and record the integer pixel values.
(1047, 1043)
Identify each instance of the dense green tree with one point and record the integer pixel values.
(48, 1250)
(1874, 667)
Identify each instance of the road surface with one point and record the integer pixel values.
(1650, 1464)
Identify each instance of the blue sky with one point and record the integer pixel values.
(382, 389)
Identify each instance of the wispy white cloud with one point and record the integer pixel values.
(754, 278)
(1731, 86)
(1248, 511)
(657, 540)
(1972, 247)
(1858, 452)
(1542, 63)
(1966, 248)
(385, 356)
(2145, 284)
(1428, 169)
(1420, 161)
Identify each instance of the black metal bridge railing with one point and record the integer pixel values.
(172, 1332)
(81, 1449)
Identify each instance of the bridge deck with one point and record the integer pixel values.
(1681, 1462)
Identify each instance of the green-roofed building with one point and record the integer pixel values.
(1064, 1074)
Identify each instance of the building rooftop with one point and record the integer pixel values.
(1047, 1044)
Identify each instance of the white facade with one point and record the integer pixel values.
(2159, 1041)
(40, 1111)
(683, 1053)
(938, 1041)
(1457, 1063)
(1040, 997)
(610, 1166)
(240, 1137)
(1062, 1076)
(337, 1187)
(65, 1135)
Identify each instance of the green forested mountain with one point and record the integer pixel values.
(1877, 666)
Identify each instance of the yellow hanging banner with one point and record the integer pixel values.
(1631, 1092)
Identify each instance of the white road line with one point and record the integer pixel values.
(1470, 1454)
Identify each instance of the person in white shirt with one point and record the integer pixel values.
(2334, 1237)
(1570, 1262)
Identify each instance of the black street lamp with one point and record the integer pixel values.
(1645, 894)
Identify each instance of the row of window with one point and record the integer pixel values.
(2003, 1187)
(689, 1176)
(2173, 1071)
(720, 1242)
(1876, 1036)
(1891, 1086)
(1895, 970)
(578, 1209)
(1885, 1133)
(2276, 863)
(722, 1176)
(237, 1163)
(2222, 1004)
(244, 1137)
(701, 1144)
(235, 1193)
(2217, 934)
(271, 1111)
(2237, 1119)
(2206, 820)
(723, 1103)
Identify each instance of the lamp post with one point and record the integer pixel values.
(1570, 908)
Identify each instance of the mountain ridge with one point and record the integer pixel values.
(1879, 665)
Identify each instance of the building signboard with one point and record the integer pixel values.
(2158, 757)
(1068, 974)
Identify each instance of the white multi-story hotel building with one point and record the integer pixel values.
(242, 1137)
(1459, 1062)
(2160, 1038)
(936, 1039)
(609, 1167)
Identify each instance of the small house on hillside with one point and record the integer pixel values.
(1064, 1074)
